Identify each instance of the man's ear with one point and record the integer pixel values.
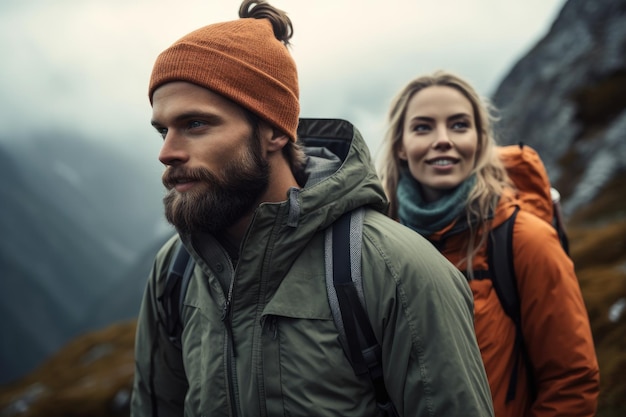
(279, 140)
(275, 140)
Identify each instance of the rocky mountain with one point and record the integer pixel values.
(566, 97)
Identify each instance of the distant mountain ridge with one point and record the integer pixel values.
(76, 215)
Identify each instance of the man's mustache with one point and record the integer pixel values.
(173, 176)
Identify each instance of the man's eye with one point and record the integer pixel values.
(162, 132)
(194, 124)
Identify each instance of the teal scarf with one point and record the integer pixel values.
(428, 218)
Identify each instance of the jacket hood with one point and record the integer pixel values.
(341, 174)
(340, 177)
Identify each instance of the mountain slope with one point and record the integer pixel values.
(76, 215)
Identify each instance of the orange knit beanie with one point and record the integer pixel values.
(243, 61)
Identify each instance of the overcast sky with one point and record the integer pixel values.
(85, 64)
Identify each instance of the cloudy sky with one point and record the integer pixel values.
(84, 65)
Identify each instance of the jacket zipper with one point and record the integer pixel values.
(230, 352)
(227, 320)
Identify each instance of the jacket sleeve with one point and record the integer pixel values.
(555, 323)
(160, 384)
(431, 361)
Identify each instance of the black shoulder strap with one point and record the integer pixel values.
(343, 251)
(500, 258)
(171, 299)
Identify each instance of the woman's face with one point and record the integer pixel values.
(439, 139)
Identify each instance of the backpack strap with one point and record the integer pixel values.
(171, 299)
(345, 294)
(500, 258)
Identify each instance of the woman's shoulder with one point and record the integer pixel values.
(531, 227)
(536, 241)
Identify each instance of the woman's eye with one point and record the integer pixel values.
(421, 128)
(460, 125)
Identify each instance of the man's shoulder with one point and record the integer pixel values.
(392, 249)
(166, 249)
(399, 244)
(165, 253)
(390, 232)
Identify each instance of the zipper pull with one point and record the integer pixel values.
(226, 319)
(225, 311)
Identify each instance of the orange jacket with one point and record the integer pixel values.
(555, 323)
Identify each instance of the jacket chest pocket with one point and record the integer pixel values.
(304, 367)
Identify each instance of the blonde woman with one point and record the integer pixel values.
(442, 174)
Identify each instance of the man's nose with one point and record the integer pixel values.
(173, 150)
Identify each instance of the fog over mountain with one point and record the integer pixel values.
(76, 218)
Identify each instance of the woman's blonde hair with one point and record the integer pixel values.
(491, 177)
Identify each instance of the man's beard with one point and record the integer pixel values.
(219, 201)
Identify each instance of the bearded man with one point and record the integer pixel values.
(250, 204)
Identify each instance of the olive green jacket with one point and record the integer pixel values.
(260, 340)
